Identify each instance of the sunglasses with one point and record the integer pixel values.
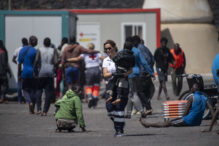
(108, 48)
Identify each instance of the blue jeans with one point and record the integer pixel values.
(72, 74)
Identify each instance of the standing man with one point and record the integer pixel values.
(14, 59)
(71, 70)
(49, 61)
(162, 58)
(4, 70)
(178, 68)
(27, 58)
(134, 80)
(146, 86)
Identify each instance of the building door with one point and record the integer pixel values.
(131, 29)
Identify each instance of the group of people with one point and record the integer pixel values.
(128, 75)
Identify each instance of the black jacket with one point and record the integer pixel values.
(162, 58)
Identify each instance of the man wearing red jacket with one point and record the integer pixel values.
(177, 68)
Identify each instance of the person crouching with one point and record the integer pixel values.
(69, 112)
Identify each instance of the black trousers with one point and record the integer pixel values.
(3, 85)
(146, 90)
(177, 81)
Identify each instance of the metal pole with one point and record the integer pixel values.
(9, 4)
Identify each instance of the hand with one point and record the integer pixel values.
(109, 99)
(116, 101)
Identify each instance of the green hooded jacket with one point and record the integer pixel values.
(70, 108)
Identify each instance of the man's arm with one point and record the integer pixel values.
(75, 59)
(188, 106)
(145, 64)
(55, 60)
(14, 59)
(87, 51)
(19, 71)
(214, 119)
(37, 62)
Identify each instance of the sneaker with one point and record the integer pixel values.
(44, 114)
(38, 112)
(119, 134)
(134, 112)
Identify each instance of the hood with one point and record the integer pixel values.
(70, 94)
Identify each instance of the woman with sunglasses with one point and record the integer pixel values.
(118, 87)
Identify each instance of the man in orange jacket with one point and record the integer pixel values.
(178, 68)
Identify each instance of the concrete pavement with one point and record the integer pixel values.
(18, 127)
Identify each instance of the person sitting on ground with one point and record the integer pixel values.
(193, 113)
(69, 112)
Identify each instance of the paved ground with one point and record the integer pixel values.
(19, 128)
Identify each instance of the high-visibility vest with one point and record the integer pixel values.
(179, 60)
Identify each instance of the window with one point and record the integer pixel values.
(131, 29)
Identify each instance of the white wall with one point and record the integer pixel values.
(17, 27)
(111, 24)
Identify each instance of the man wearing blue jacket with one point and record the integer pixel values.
(134, 80)
(146, 89)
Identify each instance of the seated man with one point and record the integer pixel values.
(69, 112)
(193, 112)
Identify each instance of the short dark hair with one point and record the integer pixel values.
(129, 39)
(47, 42)
(128, 45)
(64, 40)
(136, 40)
(33, 40)
(24, 41)
(164, 39)
(73, 39)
